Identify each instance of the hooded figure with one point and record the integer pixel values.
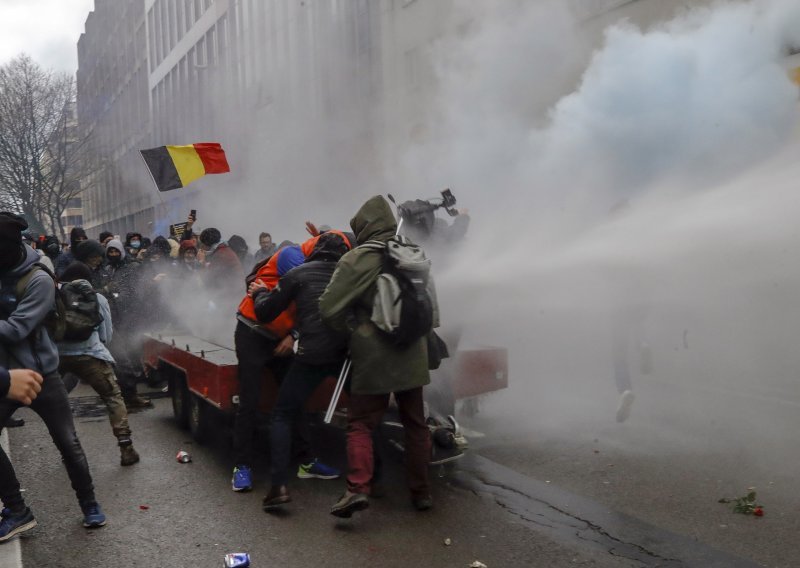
(24, 341)
(52, 247)
(26, 299)
(113, 258)
(378, 366)
(382, 367)
(133, 243)
(160, 249)
(76, 236)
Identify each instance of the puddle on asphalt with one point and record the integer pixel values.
(87, 406)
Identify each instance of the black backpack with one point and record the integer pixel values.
(403, 305)
(76, 313)
(81, 310)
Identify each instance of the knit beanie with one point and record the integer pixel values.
(76, 270)
(11, 227)
(210, 236)
(87, 249)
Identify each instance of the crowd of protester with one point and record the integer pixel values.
(303, 309)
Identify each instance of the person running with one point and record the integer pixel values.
(91, 361)
(27, 297)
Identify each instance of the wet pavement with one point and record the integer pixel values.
(499, 506)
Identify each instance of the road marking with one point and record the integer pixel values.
(10, 552)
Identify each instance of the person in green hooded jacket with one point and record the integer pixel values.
(379, 368)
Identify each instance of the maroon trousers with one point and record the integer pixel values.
(363, 417)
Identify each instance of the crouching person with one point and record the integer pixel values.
(90, 360)
(320, 354)
(379, 367)
(28, 296)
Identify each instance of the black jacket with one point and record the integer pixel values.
(318, 343)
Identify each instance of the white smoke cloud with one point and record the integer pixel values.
(659, 179)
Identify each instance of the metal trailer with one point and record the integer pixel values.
(204, 388)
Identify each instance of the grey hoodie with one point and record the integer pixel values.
(24, 341)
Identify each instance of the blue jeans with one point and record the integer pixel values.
(297, 387)
(52, 406)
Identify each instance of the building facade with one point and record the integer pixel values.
(281, 76)
(156, 72)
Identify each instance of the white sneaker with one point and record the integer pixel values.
(625, 403)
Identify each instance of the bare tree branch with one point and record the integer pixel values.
(43, 158)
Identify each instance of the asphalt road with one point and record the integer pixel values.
(524, 497)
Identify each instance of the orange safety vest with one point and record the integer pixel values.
(283, 324)
(268, 274)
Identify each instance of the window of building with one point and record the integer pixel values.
(211, 46)
(74, 203)
(172, 24)
(189, 19)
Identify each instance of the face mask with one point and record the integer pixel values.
(135, 244)
(10, 256)
(114, 260)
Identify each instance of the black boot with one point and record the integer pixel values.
(128, 455)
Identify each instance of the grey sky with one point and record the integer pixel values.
(47, 30)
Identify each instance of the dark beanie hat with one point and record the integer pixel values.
(104, 235)
(160, 244)
(76, 271)
(11, 227)
(88, 249)
(330, 246)
(210, 236)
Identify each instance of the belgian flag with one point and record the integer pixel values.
(172, 167)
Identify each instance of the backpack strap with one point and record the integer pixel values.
(23, 282)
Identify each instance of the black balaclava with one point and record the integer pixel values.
(76, 235)
(11, 249)
(52, 248)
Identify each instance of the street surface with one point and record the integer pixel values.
(528, 494)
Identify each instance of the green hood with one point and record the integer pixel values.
(374, 221)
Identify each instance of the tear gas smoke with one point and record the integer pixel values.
(649, 176)
(661, 185)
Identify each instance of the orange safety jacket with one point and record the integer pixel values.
(268, 274)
